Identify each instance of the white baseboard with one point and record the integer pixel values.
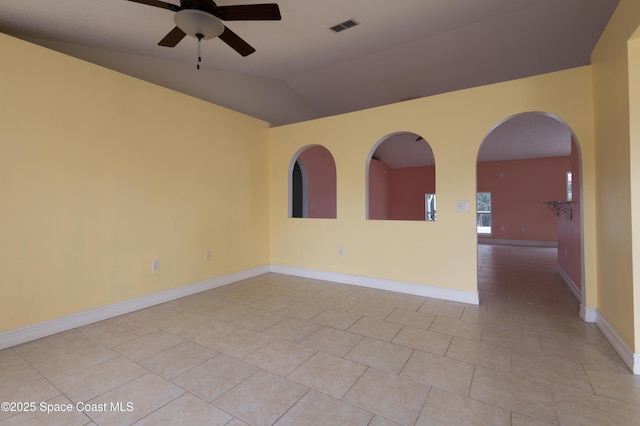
(631, 359)
(68, 322)
(577, 292)
(592, 315)
(588, 314)
(532, 243)
(470, 297)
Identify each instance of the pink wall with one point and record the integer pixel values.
(321, 181)
(407, 187)
(378, 190)
(569, 232)
(398, 194)
(518, 189)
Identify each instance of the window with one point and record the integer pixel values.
(483, 210)
(569, 186)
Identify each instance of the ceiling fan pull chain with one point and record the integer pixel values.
(200, 36)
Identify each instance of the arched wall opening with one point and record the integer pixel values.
(312, 183)
(530, 165)
(401, 179)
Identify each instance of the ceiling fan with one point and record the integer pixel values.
(202, 19)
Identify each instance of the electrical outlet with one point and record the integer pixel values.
(208, 255)
(155, 265)
(341, 251)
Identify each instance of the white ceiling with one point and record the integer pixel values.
(301, 70)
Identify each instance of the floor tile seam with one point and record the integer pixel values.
(60, 393)
(270, 372)
(53, 340)
(85, 328)
(402, 326)
(511, 409)
(278, 373)
(485, 403)
(552, 384)
(292, 405)
(451, 358)
(212, 402)
(404, 365)
(190, 368)
(32, 366)
(62, 370)
(355, 404)
(147, 371)
(345, 329)
(89, 419)
(112, 390)
(601, 396)
(123, 342)
(443, 333)
(459, 318)
(410, 325)
(163, 405)
(365, 369)
(424, 401)
(474, 364)
(515, 375)
(390, 342)
(585, 404)
(37, 371)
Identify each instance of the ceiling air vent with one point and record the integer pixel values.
(345, 25)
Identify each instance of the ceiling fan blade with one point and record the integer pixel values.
(236, 43)
(173, 38)
(158, 3)
(249, 12)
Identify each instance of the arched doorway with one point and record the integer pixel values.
(529, 183)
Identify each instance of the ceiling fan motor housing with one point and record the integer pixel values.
(198, 23)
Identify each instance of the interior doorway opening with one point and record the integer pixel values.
(524, 162)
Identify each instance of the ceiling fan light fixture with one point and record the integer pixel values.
(198, 24)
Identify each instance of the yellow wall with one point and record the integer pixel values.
(615, 166)
(101, 173)
(441, 253)
(634, 133)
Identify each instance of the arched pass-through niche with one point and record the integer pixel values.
(312, 184)
(401, 179)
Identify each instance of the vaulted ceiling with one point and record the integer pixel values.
(301, 70)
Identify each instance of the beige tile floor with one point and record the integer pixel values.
(291, 351)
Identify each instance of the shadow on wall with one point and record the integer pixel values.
(401, 179)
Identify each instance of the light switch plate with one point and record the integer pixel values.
(462, 205)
